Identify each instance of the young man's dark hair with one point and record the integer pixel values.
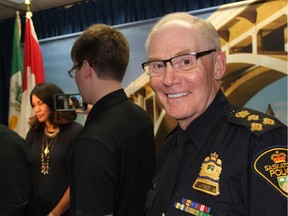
(106, 50)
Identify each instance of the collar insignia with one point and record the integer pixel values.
(271, 165)
(242, 114)
(208, 178)
(256, 126)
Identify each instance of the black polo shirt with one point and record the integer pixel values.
(113, 159)
(229, 161)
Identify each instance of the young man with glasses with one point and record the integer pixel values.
(220, 159)
(113, 158)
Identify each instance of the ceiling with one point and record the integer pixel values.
(8, 8)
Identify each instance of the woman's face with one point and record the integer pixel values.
(41, 110)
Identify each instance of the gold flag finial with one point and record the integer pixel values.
(28, 11)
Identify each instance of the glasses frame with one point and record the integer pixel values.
(72, 71)
(197, 55)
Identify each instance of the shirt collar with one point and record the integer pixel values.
(201, 127)
(108, 100)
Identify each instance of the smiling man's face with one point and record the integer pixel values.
(184, 95)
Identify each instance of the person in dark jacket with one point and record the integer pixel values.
(16, 173)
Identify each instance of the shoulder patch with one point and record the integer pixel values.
(256, 122)
(271, 165)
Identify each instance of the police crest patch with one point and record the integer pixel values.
(273, 167)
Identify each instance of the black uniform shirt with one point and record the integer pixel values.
(232, 162)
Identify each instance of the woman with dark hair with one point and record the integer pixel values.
(74, 102)
(50, 137)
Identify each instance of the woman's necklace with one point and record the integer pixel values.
(52, 134)
(47, 148)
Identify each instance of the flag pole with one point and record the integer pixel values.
(27, 3)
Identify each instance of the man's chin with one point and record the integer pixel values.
(175, 115)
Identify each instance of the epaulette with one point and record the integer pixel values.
(256, 122)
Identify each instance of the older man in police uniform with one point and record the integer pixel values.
(220, 159)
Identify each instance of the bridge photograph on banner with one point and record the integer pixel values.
(253, 36)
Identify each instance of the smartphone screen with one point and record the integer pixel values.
(69, 102)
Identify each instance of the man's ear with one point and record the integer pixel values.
(220, 65)
(88, 70)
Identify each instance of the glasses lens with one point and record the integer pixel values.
(184, 63)
(156, 68)
(72, 71)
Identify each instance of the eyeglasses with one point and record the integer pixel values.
(180, 63)
(72, 71)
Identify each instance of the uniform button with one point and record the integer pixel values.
(231, 111)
